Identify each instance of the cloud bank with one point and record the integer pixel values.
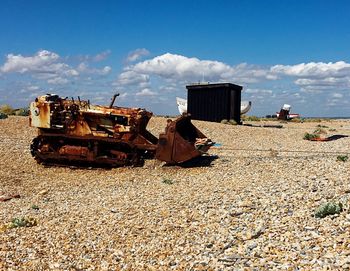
(178, 67)
(137, 54)
(161, 78)
(49, 66)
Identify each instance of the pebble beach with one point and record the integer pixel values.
(249, 205)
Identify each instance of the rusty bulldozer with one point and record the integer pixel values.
(76, 132)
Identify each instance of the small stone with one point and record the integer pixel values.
(43, 192)
(236, 213)
(252, 245)
(308, 228)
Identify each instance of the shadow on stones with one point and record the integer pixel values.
(201, 161)
(335, 137)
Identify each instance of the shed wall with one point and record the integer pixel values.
(214, 102)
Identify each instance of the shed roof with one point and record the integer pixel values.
(215, 85)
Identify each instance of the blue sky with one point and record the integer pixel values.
(295, 52)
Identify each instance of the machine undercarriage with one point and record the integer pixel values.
(74, 132)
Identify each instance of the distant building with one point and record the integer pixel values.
(214, 102)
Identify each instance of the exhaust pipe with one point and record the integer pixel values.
(113, 99)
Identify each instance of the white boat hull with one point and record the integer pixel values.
(182, 105)
(290, 116)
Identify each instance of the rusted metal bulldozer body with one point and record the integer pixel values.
(74, 131)
(181, 141)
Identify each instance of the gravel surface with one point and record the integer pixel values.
(248, 206)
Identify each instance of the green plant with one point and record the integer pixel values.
(3, 116)
(320, 131)
(7, 109)
(313, 120)
(22, 222)
(35, 207)
(322, 126)
(250, 118)
(329, 208)
(22, 112)
(268, 119)
(308, 136)
(168, 181)
(297, 120)
(342, 158)
(224, 121)
(232, 122)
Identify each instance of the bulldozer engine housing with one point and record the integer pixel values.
(76, 132)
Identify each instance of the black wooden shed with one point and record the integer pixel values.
(214, 102)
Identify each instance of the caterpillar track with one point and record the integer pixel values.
(76, 133)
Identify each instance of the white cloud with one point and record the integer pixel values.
(146, 92)
(101, 56)
(130, 77)
(178, 67)
(122, 96)
(137, 54)
(43, 65)
(32, 88)
(327, 81)
(259, 91)
(106, 70)
(58, 81)
(84, 68)
(337, 95)
(21, 64)
(316, 77)
(314, 69)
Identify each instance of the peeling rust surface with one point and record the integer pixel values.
(72, 131)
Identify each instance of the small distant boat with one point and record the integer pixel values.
(290, 116)
(182, 105)
(284, 113)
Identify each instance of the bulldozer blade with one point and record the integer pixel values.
(181, 142)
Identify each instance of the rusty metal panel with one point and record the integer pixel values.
(179, 142)
(73, 150)
(40, 115)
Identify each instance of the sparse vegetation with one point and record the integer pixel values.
(167, 181)
(3, 116)
(320, 131)
(7, 110)
(232, 122)
(268, 119)
(22, 222)
(297, 120)
(342, 158)
(321, 126)
(250, 118)
(35, 207)
(317, 120)
(22, 112)
(308, 136)
(317, 133)
(329, 208)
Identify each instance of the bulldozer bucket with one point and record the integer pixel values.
(181, 141)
